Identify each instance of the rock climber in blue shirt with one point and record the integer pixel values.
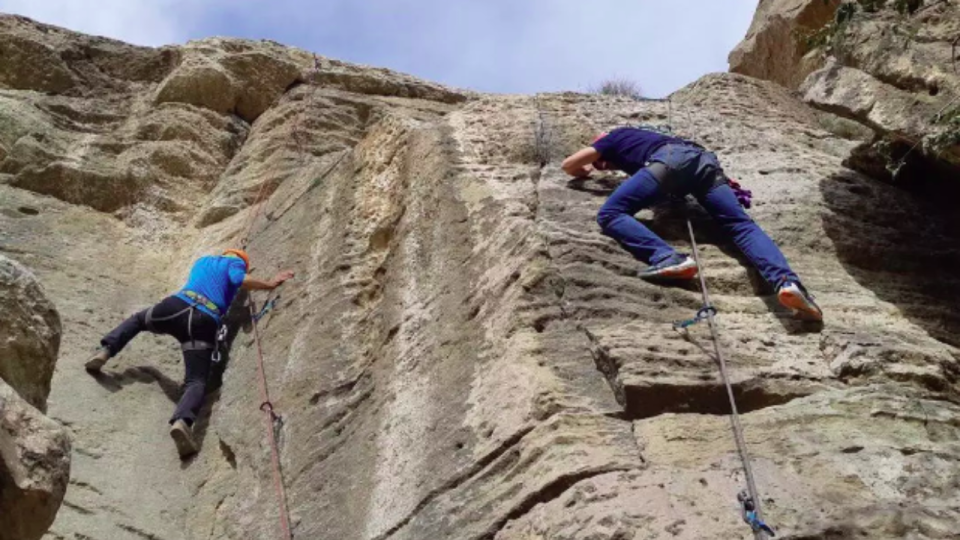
(662, 166)
(192, 316)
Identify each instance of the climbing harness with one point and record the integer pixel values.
(201, 300)
(750, 497)
(192, 344)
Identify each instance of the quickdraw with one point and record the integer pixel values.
(269, 305)
(749, 512)
(703, 314)
(220, 340)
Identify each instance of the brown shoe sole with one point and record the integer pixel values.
(95, 364)
(183, 440)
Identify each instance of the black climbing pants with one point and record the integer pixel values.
(202, 328)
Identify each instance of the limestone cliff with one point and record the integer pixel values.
(462, 354)
(34, 450)
(890, 65)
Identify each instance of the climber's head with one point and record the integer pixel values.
(240, 254)
(600, 164)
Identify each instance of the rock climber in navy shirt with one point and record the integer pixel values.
(662, 166)
(192, 316)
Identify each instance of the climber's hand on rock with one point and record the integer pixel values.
(281, 277)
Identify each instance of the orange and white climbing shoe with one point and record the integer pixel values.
(182, 435)
(793, 296)
(676, 266)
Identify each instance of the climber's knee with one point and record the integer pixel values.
(605, 218)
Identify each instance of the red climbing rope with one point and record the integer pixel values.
(269, 418)
(265, 405)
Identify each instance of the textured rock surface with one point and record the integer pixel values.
(34, 450)
(29, 334)
(34, 468)
(892, 66)
(773, 48)
(462, 354)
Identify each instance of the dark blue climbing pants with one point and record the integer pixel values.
(197, 363)
(689, 170)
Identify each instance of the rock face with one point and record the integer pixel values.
(34, 468)
(30, 330)
(462, 354)
(890, 65)
(34, 450)
(775, 48)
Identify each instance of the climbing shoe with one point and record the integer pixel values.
(793, 296)
(97, 361)
(676, 266)
(182, 435)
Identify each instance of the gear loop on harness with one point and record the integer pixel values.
(218, 343)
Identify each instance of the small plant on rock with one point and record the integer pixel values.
(619, 87)
(947, 138)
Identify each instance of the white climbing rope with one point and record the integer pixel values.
(710, 311)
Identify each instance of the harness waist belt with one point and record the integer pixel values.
(197, 346)
(202, 300)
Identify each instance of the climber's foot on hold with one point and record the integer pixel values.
(97, 361)
(676, 266)
(793, 296)
(182, 435)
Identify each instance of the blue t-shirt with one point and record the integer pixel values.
(629, 149)
(218, 278)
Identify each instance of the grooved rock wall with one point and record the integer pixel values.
(774, 47)
(462, 354)
(890, 65)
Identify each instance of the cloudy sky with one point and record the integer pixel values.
(489, 45)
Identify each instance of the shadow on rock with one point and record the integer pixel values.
(115, 381)
(904, 247)
(601, 186)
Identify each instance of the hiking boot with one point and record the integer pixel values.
(182, 435)
(676, 266)
(97, 361)
(793, 296)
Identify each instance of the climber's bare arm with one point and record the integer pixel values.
(578, 163)
(254, 284)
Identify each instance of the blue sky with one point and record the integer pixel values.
(520, 46)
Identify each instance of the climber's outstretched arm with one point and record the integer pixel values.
(578, 163)
(254, 284)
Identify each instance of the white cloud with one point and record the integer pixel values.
(142, 22)
(489, 45)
